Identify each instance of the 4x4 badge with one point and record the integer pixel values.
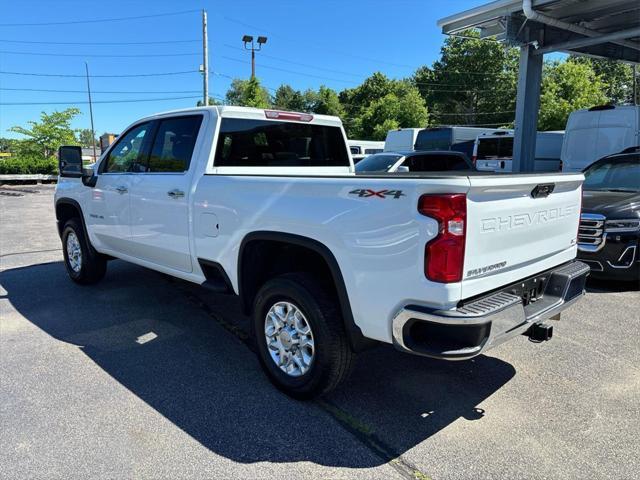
(367, 192)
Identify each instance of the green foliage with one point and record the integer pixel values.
(286, 98)
(28, 165)
(85, 138)
(471, 78)
(44, 137)
(212, 101)
(567, 86)
(248, 93)
(324, 102)
(380, 104)
(617, 78)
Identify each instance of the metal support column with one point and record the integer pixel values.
(527, 105)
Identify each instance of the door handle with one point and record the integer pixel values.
(175, 193)
(121, 189)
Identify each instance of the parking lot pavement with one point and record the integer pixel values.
(145, 376)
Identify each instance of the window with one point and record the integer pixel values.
(265, 143)
(614, 175)
(370, 151)
(127, 152)
(434, 139)
(491, 148)
(173, 144)
(436, 163)
(355, 150)
(379, 162)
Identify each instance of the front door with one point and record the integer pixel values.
(160, 196)
(109, 216)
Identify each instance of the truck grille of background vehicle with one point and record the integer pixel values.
(591, 236)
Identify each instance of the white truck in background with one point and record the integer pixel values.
(265, 205)
(598, 132)
(362, 148)
(493, 151)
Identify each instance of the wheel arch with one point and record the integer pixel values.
(247, 290)
(67, 208)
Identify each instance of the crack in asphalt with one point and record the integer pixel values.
(362, 432)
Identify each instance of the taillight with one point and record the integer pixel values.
(444, 255)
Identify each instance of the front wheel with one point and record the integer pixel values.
(300, 336)
(84, 265)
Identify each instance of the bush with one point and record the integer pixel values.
(26, 165)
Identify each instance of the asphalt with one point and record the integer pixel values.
(149, 377)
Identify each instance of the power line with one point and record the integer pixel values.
(98, 76)
(82, 102)
(159, 42)
(93, 91)
(469, 114)
(137, 55)
(99, 20)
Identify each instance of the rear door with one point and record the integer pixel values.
(518, 225)
(160, 195)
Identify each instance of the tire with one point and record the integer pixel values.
(332, 357)
(84, 265)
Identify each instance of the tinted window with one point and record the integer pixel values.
(173, 144)
(434, 139)
(369, 151)
(127, 152)
(495, 148)
(257, 143)
(380, 162)
(435, 163)
(614, 175)
(355, 150)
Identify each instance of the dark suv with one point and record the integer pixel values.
(610, 222)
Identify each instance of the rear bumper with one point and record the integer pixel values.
(488, 321)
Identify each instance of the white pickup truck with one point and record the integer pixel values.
(266, 205)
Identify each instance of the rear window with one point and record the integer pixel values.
(370, 151)
(380, 162)
(260, 143)
(489, 148)
(433, 140)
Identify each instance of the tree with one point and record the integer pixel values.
(286, 98)
(212, 101)
(86, 138)
(616, 76)
(325, 102)
(44, 137)
(380, 104)
(567, 86)
(471, 81)
(248, 93)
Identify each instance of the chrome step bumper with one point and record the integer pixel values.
(485, 322)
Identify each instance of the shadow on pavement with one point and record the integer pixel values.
(159, 339)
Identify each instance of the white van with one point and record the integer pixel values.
(597, 132)
(401, 140)
(493, 152)
(362, 148)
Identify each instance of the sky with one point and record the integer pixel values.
(310, 43)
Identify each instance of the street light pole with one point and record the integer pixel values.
(93, 133)
(248, 40)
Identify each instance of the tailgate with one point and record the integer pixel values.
(516, 229)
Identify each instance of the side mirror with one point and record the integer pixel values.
(70, 161)
(402, 169)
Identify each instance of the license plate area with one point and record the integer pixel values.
(531, 289)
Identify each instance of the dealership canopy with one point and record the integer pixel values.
(600, 28)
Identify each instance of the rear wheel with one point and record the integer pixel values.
(84, 265)
(300, 336)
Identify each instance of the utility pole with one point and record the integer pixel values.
(248, 40)
(93, 132)
(205, 59)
